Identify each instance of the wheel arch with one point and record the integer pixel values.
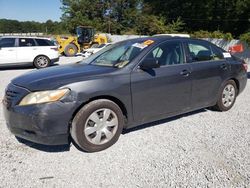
(221, 87)
(237, 84)
(108, 97)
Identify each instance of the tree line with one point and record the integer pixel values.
(144, 17)
(15, 26)
(158, 16)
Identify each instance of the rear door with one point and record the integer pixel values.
(163, 90)
(209, 69)
(46, 47)
(8, 51)
(27, 50)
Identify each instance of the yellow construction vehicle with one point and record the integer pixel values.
(86, 37)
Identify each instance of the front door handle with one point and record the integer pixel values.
(185, 73)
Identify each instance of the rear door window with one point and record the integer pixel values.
(7, 42)
(26, 42)
(217, 53)
(199, 51)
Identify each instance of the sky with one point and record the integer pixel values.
(31, 10)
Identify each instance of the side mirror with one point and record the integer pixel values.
(149, 63)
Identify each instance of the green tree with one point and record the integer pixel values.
(225, 15)
(49, 27)
(105, 15)
(83, 12)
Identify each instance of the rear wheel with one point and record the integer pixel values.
(227, 96)
(70, 50)
(41, 62)
(97, 125)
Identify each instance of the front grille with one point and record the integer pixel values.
(13, 94)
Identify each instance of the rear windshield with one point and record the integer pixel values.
(44, 42)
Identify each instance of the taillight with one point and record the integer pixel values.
(54, 48)
(239, 48)
(245, 66)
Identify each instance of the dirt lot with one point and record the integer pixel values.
(200, 149)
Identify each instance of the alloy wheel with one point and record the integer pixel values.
(101, 126)
(42, 61)
(228, 95)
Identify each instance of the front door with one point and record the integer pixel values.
(163, 90)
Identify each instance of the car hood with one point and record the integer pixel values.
(55, 77)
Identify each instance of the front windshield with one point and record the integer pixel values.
(120, 55)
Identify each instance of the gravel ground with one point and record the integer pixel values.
(199, 149)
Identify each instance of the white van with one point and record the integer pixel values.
(34, 51)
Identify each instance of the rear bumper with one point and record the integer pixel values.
(54, 60)
(242, 82)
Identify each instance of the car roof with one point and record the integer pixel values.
(156, 39)
(162, 38)
(17, 36)
(174, 35)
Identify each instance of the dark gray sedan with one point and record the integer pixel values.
(124, 85)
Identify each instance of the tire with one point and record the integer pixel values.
(227, 96)
(70, 50)
(88, 130)
(41, 61)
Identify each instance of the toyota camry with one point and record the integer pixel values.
(126, 84)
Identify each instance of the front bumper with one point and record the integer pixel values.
(44, 123)
(33, 137)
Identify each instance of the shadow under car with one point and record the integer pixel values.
(64, 148)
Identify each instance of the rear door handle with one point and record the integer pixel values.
(223, 66)
(185, 73)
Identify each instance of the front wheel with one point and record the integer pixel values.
(227, 96)
(97, 125)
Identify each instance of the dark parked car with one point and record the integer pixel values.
(124, 85)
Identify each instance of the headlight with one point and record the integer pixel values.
(43, 97)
